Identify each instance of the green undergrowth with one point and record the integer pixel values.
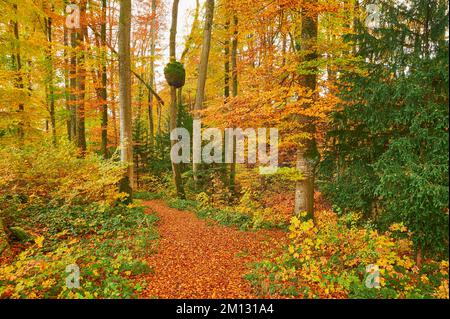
(107, 244)
(226, 216)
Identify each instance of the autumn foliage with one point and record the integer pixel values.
(357, 206)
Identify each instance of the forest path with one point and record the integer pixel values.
(201, 259)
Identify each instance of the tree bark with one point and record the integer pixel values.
(73, 85)
(226, 89)
(158, 114)
(81, 84)
(151, 124)
(19, 80)
(234, 92)
(234, 48)
(112, 86)
(173, 124)
(50, 80)
(114, 112)
(180, 98)
(203, 71)
(173, 98)
(307, 153)
(67, 82)
(104, 89)
(173, 31)
(126, 137)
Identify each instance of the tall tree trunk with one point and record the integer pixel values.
(159, 114)
(202, 73)
(114, 113)
(112, 83)
(50, 80)
(137, 132)
(173, 100)
(173, 124)
(81, 83)
(151, 124)
(67, 82)
(104, 89)
(19, 80)
(307, 154)
(234, 92)
(180, 97)
(226, 89)
(234, 48)
(126, 137)
(173, 31)
(73, 85)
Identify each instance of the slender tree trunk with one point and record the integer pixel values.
(73, 85)
(81, 84)
(180, 97)
(173, 99)
(159, 114)
(173, 124)
(226, 89)
(114, 113)
(203, 71)
(226, 84)
(104, 89)
(126, 137)
(112, 85)
(137, 132)
(51, 88)
(19, 80)
(151, 124)
(67, 82)
(307, 154)
(173, 31)
(234, 89)
(234, 48)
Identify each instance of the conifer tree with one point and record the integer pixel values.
(389, 152)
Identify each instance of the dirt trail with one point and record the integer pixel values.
(201, 259)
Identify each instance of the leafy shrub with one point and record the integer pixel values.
(148, 195)
(248, 215)
(182, 204)
(70, 206)
(57, 175)
(328, 259)
(150, 183)
(108, 245)
(226, 217)
(274, 192)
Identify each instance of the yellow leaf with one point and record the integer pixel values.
(39, 241)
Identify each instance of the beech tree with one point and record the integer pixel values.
(126, 136)
(203, 70)
(172, 67)
(307, 154)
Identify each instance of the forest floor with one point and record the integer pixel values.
(202, 259)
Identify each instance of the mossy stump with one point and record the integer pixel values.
(21, 234)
